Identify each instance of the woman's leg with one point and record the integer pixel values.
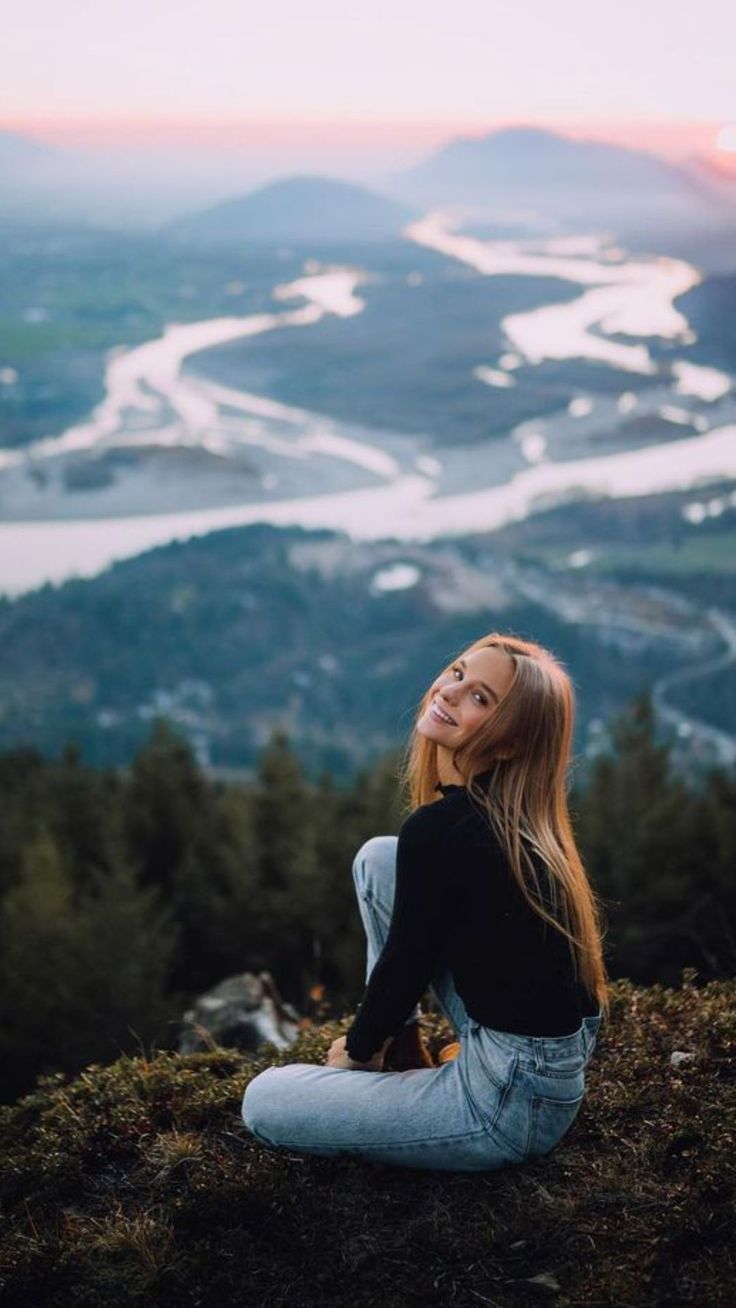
(421, 1118)
(373, 876)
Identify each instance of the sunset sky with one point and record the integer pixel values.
(232, 74)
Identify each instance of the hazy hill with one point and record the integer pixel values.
(561, 178)
(19, 152)
(299, 209)
(532, 175)
(138, 1183)
(39, 181)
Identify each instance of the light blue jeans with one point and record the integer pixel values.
(504, 1099)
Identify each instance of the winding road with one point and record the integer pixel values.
(722, 743)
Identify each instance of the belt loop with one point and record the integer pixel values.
(538, 1053)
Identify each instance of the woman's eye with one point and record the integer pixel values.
(481, 698)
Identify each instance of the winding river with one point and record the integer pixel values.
(401, 490)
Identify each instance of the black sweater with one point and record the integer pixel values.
(457, 904)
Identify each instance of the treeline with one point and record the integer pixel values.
(125, 893)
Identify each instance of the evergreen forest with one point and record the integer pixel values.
(125, 893)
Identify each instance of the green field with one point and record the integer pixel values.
(714, 552)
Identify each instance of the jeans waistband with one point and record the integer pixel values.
(537, 1051)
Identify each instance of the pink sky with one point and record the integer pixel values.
(386, 143)
(390, 81)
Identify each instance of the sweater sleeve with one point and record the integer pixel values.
(404, 968)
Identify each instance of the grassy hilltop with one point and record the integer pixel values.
(137, 1183)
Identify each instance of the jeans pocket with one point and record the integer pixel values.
(491, 1067)
(495, 1057)
(551, 1119)
(486, 1072)
(513, 1125)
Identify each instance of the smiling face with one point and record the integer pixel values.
(468, 693)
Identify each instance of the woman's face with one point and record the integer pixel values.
(468, 693)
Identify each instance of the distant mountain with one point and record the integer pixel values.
(296, 209)
(559, 178)
(22, 152)
(717, 181)
(40, 183)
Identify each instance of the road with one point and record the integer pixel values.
(722, 743)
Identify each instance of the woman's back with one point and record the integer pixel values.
(458, 905)
(513, 971)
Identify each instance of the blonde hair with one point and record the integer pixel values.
(526, 746)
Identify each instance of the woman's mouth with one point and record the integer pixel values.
(440, 716)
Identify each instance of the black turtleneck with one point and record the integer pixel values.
(457, 905)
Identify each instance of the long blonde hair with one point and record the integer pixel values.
(525, 745)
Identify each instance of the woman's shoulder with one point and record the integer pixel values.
(451, 813)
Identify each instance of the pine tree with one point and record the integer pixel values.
(644, 847)
(175, 833)
(290, 888)
(83, 972)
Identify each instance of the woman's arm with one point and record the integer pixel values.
(411, 952)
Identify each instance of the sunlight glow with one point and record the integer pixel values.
(726, 138)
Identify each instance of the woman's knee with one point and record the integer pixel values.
(376, 856)
(256, 1100)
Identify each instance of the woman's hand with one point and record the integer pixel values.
(337, 1057)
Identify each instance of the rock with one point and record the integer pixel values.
(545, 1280)
(679, 1056)
(241, 1012)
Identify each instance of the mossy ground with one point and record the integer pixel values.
(138, 1183)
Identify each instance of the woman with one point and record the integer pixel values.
(483, 898)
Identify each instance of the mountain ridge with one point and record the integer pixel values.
(297, 208)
